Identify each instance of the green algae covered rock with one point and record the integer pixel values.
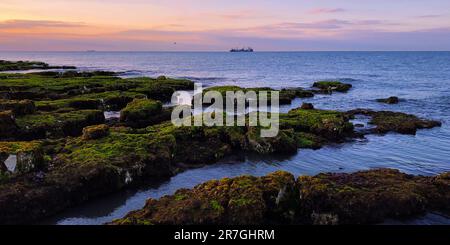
(76, 103)
(285, 142)
(332, 86)
(18, 107)
(369, 196)
(70, 85)
(365, 197)
(286, 95)
(161, 88)
(140, 112)
(95, 132)
(60, 124)
(332, 125)
(29, 155)
(388, 121)
(241, 200)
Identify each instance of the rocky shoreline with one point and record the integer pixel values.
(66, 152)
(366, 197)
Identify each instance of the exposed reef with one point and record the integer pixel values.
(388, 121)
(286, 95)
(330, 86)
(105, 159)
(365, 197)
(28, 65)
(57, 104)
(390, 100)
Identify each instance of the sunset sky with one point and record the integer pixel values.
(217, 25)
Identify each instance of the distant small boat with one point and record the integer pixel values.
(246, 50)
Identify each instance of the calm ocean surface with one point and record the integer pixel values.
(422, 79)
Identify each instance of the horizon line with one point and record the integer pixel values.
(212, 51)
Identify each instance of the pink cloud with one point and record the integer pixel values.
(29, 24)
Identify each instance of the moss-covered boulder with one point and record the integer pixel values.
(330, 86)
(18, 107)
(95, 132)
(29, 156)
(161, 88)
(75, 103)
(388, 121)
(140, 112)
(58, 124)
(285, 142)
(390, 100)
(332, 125)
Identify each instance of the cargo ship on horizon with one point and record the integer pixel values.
(245, 50)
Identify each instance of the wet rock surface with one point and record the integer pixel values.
(365, 197)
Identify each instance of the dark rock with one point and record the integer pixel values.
(28, 65)
(390, 100)
(8, 126)
(307, 106)
(329, 86)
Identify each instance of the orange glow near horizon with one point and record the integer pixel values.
(215, 25)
